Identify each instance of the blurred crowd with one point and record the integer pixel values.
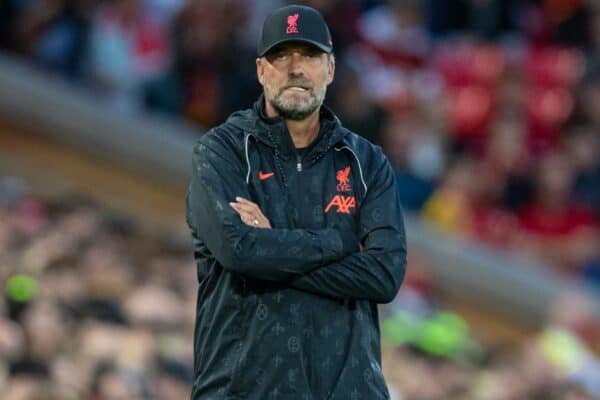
(92, 306)
(488, 109)
(432, 353)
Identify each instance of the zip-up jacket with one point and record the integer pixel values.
(290, 313)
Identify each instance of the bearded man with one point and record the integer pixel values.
(298, 235)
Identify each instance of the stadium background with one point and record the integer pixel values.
(488, 109)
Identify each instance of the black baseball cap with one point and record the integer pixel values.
(294, 24)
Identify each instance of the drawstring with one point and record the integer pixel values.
(246, 139)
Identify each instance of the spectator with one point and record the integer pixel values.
(501, 185)
(7, 19)
(450, 206)
(204, 83)
(590, 98)
(60, 44)
(558, 231)
(417, 157)
(353, 104)
(396, 32)
(128, 47)
(342, 18)
(584, 149)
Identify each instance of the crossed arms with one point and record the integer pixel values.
(325, 262)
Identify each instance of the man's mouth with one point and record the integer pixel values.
(299, 89)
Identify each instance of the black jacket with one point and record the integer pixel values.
(290, 313)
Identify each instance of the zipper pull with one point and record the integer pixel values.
(299, 163)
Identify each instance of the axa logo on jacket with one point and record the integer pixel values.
(343, 203)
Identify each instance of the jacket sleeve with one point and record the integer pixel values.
(376, 272)
(269, 254)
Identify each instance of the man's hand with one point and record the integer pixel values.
(250, 213)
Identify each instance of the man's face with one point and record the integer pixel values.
(294, 77)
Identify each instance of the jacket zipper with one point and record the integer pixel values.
(298, 203)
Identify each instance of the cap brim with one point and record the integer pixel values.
(321, 46)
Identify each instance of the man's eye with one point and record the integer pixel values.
(312, 54)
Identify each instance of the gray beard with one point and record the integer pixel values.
(299, 113)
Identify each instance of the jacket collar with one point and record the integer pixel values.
(273, 131)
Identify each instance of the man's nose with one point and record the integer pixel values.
(296, 66)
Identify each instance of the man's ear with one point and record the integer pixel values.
(331, 67)
(260, 71)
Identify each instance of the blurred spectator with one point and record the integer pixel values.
(128, 47)
(45, 329)
(61, 43)
(417, 156)
(556, 20)
(342, 18)
(450, 206)
(353, 105)
(583, 144)
(205, 83)
(488, 18)
(396, 32)
(52, 32)
(552, 73)
(12, 340)
(590, 97)
(565, 344)
(584, 148)
(558, 230)
(7, 19)
(166, 10)
(501, 184)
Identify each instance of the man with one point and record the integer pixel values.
(298, 235)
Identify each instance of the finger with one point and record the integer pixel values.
(240, 208)
(253, 214)
(246, 201)
(246, 207)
